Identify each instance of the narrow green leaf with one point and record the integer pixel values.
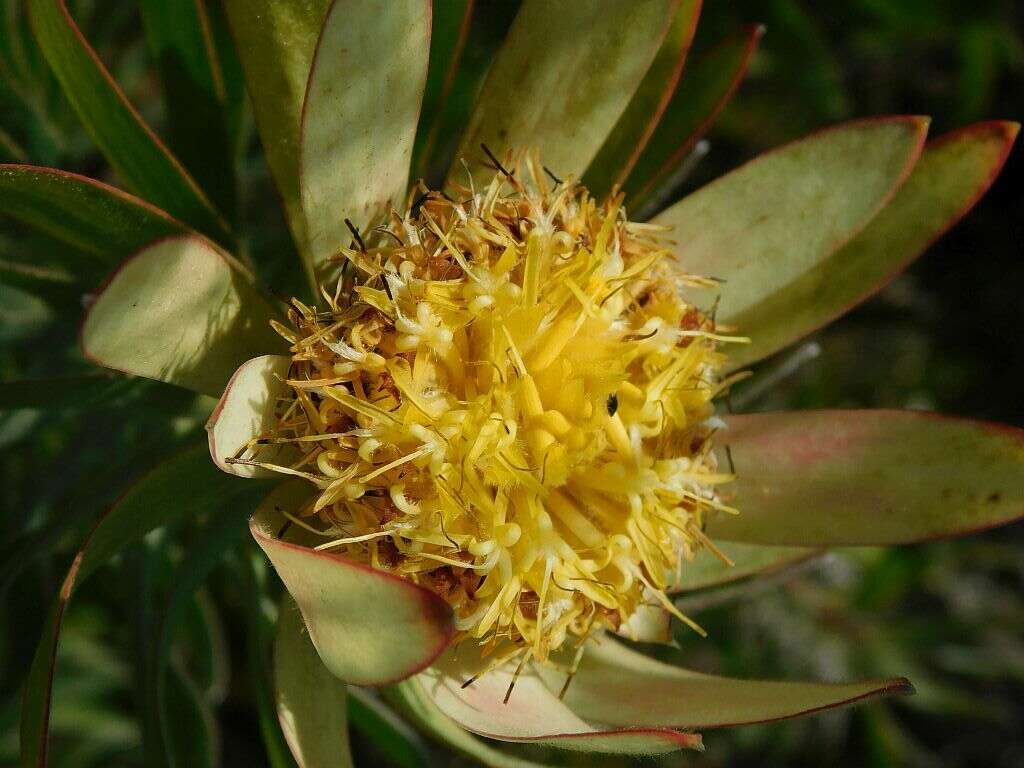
(261, 620)
(621, 687)
(180, 39)
(707, 86)
(128, 143)
(449, 28)
(562, 80)
(389, 735)
(770, 221)
(954, 172)
(310, 701)
(357, 137)
(275, 42)
(90, 215)
(833, 478)
(72, 392)
(626, 142)
(175, 690)
(369, 626)
(154, 501)
(532, 713)
(143, 323)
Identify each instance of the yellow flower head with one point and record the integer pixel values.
(517, 406)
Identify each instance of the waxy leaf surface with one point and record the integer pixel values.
(953, 173)
(618, 686)
(532, 713)
(275, 42)
(369, 627)
(179, 311)
(310, 701)
(622, 148)
(562, 79)
(824, 478)
(769, 222)
(360, 114)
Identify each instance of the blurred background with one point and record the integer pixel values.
(947, 336)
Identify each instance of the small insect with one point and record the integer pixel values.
(613, 404)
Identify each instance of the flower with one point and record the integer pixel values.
(499, 411)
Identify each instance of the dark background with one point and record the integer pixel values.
(947, 336)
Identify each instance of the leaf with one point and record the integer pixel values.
(706, 570)
(174, 688)
(411, 698)
(88, 214)
(618, 686)
(260, 625)
(370, 627)
(143, 323)
(275, 42)
(449, 29)
(154, 501)
(245, 411)
(835, 478)
(562, 92)
(532, 713)
(389, 735)
(310, 702)
(359, 117)
(72, 393)
(627, 140)
(179, 36)
(128, 143)
(953, 173)
(770, 221)
(706, 88)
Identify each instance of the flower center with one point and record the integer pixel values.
(508, 402)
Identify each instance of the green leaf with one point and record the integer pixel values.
(707, 86)
(310, 701)
(833, 478)
(154, 501)
(370, 627)
(389, 735)
(532, 713)
(449, 28)
(247, 410)
(621, 687)
(562, 80)
(128, 143)
(90, 215)
(770, 221)
(626, 142)
(262, 618)
(275, 42)
(412, 700)
(360, 116)
(953, 173)
(179, 36)
(706, 570)
(144, 323)
(75, 392)
(176, 690)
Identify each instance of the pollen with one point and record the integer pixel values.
(504, 398)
